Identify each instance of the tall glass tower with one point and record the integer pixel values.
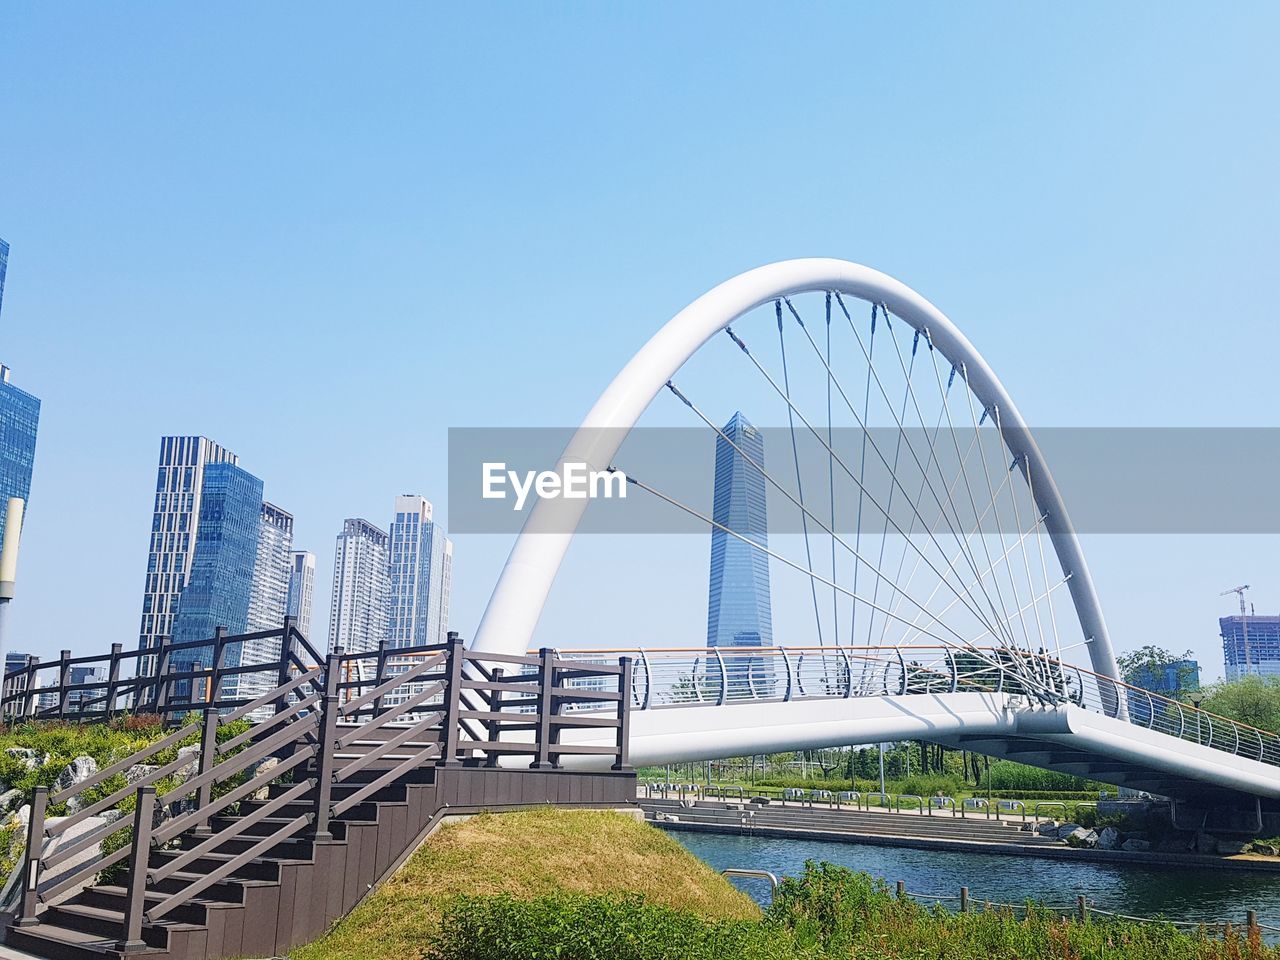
(302, 584)
(738, 609)
(19, 419)
(421, 566)
(220, 587)
(184, 461)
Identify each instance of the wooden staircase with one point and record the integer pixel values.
(354, 790)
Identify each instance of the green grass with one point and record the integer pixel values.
(526, 856)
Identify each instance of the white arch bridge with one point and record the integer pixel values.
(926, 532)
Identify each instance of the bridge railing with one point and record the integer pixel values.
(717, 676)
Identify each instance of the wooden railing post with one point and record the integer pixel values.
(31, 699)
(64, 680)
(494, 727)
(162, 691)
(623, 761)
(328, 746)
(217, 665)
(286, 649)
(136, 891)
(113, 679)
(546, 710)
(380, 673)
(31, 863)
(453, 702)
(208, 757)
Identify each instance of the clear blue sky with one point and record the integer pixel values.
(322, 234)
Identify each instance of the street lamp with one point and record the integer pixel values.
(1196, 697)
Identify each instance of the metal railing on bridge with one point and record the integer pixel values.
(717, 676)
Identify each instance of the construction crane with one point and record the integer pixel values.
(1244, 623)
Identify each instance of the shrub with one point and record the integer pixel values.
(575, 927)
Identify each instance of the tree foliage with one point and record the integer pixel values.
(1253, 700)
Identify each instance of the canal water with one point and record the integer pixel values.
(1180, 893)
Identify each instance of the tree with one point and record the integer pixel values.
(1253, 700)
(1147, 665)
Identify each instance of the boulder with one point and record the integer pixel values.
(192, 755)
(1082, 837)
(77, 771)
(1109, 839)
(1049, 828)
(1066, 829)
(1231, 847)
(1136, 845)
(138, 771)
(1266, 849)
(29, 758)
(9, 800)
(1206, 843)
(267, 765)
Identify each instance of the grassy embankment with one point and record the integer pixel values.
(579, 885)
(526, 856)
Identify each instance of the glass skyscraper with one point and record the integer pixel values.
(739, 611)
(4, 268)
(359, 607)
(179, 500)
(19, 420)
(220, 587)
(421, 567)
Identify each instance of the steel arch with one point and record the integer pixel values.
(516, 603)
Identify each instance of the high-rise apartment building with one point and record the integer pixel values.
(1250, 645)
(739, 612)
(302, 584)
(184, 462)
(272, 568)
(359, 608)
(421, 568)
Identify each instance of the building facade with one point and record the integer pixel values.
(1169, 679)
(272, 569)
(359, 607)
(739, 610)
(739, 606)
(421, 572)
(19, 421)
(4, 268)
(220, 586)
(302, 585)
(1250, 645)
(179, 499)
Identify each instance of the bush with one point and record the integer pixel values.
(575, 927)
(1005, 775)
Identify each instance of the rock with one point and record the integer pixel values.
(1231, 847)
(23, 815)
(1082, 837)
(138, 771)
(9, 800)
(110, 816)
(1136, 845)
(192, 755)
(30, 758)
(1266, 849)
(1026, 828)
(1109, 839)
(264, 766)
(1206, 843)
(77, 771)
(1047, 829)
(1066, 829)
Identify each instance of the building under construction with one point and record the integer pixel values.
(1250, 644)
